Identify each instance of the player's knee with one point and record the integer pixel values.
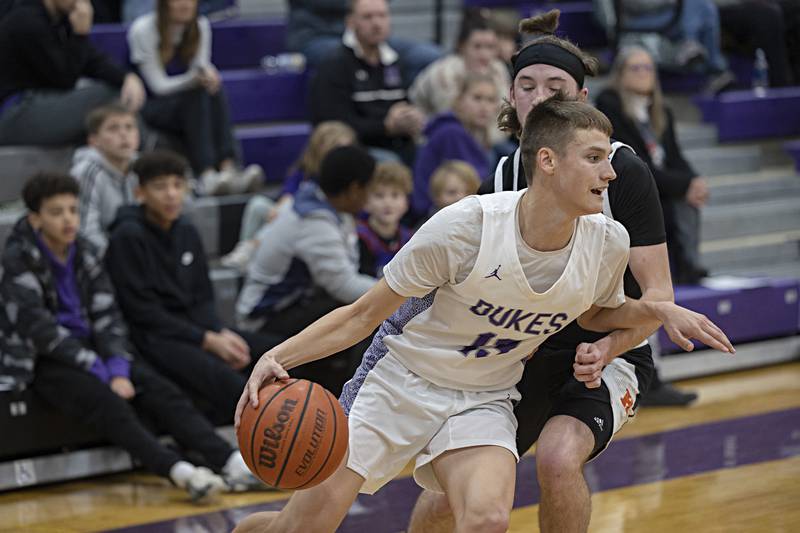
(487, 518)
(554, 463)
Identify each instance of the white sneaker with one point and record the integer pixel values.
(239, 258)
(217, 183)
(249, 179)
(203, 484)
(238, 477)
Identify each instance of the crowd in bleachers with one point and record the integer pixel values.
(106, 288)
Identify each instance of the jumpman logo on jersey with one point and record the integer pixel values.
(494, 273)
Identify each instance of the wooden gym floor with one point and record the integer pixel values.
(729, 463)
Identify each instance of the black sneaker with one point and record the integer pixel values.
(668, 396)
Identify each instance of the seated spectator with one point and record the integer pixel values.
(44, 49)
(260, 209)
(315, 29)
(634, 104)
(362, 85)
(381, 235)
(451, 182)
(506, 25)
(753, 24)
(307, 262)
(171, 48)
(156, 260)
(103, 170)
(80, 360)
(692, 41)
(459, 135)
(435, 90)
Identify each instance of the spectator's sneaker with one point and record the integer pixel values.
(249, 179)
(217, 183)
(240, 256)
(717, 83)
(691, 54)
(203, 484)
(238, 477)
(668, 396)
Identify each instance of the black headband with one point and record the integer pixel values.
(550, 54)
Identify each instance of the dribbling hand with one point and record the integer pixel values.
(589, 363)
(265, 372)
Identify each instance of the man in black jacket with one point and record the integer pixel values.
(362, 84)
(44, 49)
(158, 265)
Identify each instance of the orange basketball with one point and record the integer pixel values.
(296, 437)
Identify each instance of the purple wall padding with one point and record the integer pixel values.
(256, 96)
(741, 115)
(768, 311)
(275, 148)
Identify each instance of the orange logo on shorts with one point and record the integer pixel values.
(627, 400)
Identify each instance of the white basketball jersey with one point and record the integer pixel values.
(477, 333)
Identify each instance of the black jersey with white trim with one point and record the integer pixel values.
(634, 202)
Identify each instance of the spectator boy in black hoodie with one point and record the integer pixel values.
(158, 266)
(66, 327)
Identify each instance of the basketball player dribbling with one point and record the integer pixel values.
(562, 408)
(461, 307)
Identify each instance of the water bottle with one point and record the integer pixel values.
(760, 74)
(287, 62)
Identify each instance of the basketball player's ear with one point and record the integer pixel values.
(583, 95)
(546, 160)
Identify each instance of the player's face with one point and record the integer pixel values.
(163, 198)
(370, 22)
(182, 11)
(584, 172)
(477, 107)
(536, 83)
(117, 138)
(387, 204)
(639, 74)
(454, 189)
(58, 220)
(479, 50)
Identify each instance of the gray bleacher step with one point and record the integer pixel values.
(226, 282)
(713, 161)
(17, 163)
(752, 218)
(788, 187)
(696, 135)
(789, 269)
(749, 253)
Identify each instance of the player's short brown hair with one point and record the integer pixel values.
(556, 121)
(461, 170)
(392, 174)
(98, 116)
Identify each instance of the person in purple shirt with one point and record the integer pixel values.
(60, 302)
(460, 135)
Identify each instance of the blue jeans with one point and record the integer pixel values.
(699, 21)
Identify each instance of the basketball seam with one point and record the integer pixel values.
(258, 419)
(330, 449)
(296, 431)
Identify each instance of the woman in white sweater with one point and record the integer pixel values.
(171, 48)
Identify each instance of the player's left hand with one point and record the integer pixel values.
(682, 325)
(589, 363)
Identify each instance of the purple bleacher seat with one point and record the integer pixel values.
(741, 115)
(793, 147)
(235, 43)
(275, 148)
(767, 311)
(576, 22)
(257, 96)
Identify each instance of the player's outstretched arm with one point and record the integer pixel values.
(680, 323)
(336, 331)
